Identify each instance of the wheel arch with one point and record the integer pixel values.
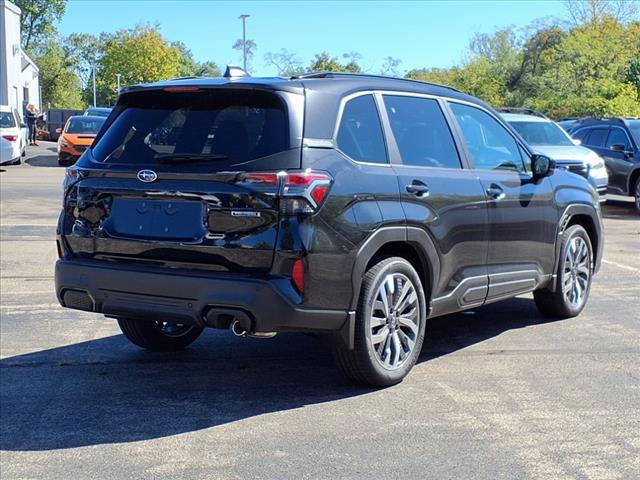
(413, 244)
(633, 177)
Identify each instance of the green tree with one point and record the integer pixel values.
(139, 55)
(37, 20)
(323, 62)
(61, 86)
(189, 67)
(633, 73)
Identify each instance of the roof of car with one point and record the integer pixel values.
(326, 81)
(5, 108)
(520, 117)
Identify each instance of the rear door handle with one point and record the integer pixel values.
(418, 188)
(495, 192)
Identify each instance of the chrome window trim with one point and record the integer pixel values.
(334, 139)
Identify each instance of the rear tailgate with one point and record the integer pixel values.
(170, 182)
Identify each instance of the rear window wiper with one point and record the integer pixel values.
(188, 157)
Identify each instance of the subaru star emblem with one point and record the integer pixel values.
(147, 176)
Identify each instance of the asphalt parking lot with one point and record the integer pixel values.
(498, 392)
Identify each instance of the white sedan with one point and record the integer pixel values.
(12, 137)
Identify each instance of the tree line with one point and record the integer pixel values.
(588, 65)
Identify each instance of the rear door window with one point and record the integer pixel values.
(221, 128)
(597, 137)
(421, 132)
(360, 132)
(490, 145)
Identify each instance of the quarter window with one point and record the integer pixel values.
(360, 133)
(421, 132)
(490, 145)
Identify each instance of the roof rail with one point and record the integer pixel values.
(588, 120)
(525, 111)
(365, 75)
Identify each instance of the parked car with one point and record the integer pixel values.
(350, 205)
(617, 140)
(76, 136)
(13, 144)
(98, 111)
(546, 137)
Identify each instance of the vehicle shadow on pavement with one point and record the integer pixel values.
(107, 391)
(619, 209)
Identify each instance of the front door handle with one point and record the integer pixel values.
(418, 188)
(495, 192)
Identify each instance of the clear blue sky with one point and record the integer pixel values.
(421, 34)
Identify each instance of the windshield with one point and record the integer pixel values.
(225, 127)
(634, 126)
(84, 125)
(541, 133)
(7, 120)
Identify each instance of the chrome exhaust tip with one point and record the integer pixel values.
(237, 328)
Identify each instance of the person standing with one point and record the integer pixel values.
(32, 120)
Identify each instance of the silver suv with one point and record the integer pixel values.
(548, 138)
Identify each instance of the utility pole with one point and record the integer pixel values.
(118, 75)
(94, 85)
(244, 40)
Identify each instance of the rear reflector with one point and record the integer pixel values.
(60, 249)
(297, 275)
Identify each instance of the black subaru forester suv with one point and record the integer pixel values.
(351, 205)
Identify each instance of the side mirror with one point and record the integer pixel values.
(618, 147)
(542, 166)
(58, 130)
(576, 141)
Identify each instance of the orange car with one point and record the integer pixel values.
(76, 136)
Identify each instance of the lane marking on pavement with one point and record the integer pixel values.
(619, 265)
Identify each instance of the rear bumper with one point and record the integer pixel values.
(186, 296)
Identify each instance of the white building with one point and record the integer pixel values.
(19, 76)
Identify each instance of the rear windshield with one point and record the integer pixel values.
(7, 120)
(219, 127)
(86, 125)
(541, 133)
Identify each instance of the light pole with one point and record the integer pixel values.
(94, 85)
(118, 75)
(244, 17)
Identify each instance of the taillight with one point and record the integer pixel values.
(60, 249)
(297, 275)
(11, 138)
(303, 192)
(300, 191)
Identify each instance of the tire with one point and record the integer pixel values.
(159, 336)
(17, 161)
(378, 359)
(574, 275)
(636, 194)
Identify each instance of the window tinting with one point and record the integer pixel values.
(581, 135)
(360, 133)
(489, 143)
(230, 128)
(7, 120)
(617, 136)
(597, 137)
(421, 132)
